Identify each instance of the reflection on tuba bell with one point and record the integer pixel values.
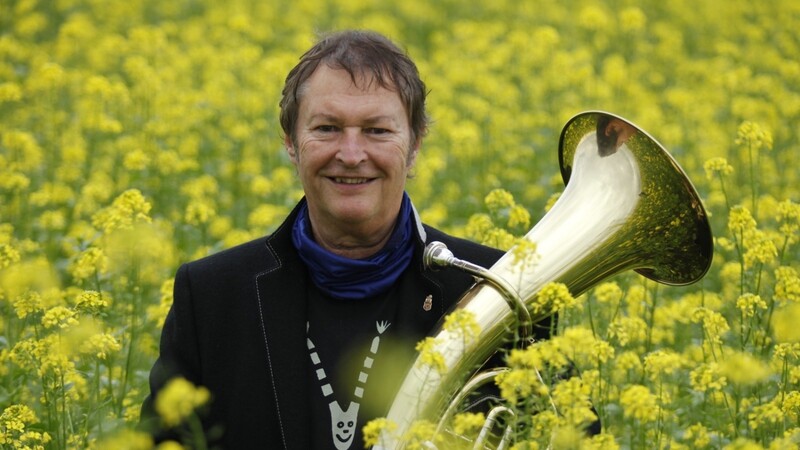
(627, 205)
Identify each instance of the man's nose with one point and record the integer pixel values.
(352, 147)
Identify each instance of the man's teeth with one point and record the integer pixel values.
(351, 180)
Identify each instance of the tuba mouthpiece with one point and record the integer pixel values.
(437, 255)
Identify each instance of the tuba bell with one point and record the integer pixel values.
(627, 205)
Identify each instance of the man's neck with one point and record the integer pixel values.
(353, 246)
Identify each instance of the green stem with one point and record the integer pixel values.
(651, 318)
(724, 192)
(753, 181)
(134, 324)
(198, 435)
(589, 310)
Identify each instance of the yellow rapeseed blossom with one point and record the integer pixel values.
(199, 212)
(478, 226)
(266, 217)
(524, 254)
(663, 362)
(28, 303)
(89, 263)
(92, 302)
(787, 284)
(627, 365)
(462, 323)
(785, 323)
(639, 403)
(724, 243)
(13, 422)
(707, 377)
(765, 415)
(714, 324)
(632, 19)
(786, 352)
(518, 217)
(204, 186)
(375, 429)
(169, 445)
(759, 249)
(128, 208)
(10, 92)
(100, 345)
(582, 347)
(35, 274)
(572, 401)
(697, 435)
(178, 400)
(628, 330)
(788, 216)
(740, 221)
(794, 375)
(127, 439)
(743, 444)
(544, 423)
(518, 385)
(717, 167)
(8, 255)
(24, 146)
(59, 316)
(158, 313)
(429, 356)
(468, 424)
(791, 406)
(499, 199)
(144, 249)
(751, 134)
(593, 17)
(600, 441)
(553, 297)
(136, 160)
(608, 292)
(789, 440)
(421, 432)
(744, 369)
(525, 445)
(566, 437)
(749, 303)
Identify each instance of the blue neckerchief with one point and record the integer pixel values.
(353, 279)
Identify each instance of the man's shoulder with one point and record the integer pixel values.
(245, 258)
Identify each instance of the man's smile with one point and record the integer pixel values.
(351, 180)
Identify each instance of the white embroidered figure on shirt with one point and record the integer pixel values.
(343, 422)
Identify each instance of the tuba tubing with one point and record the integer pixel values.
(627, 205)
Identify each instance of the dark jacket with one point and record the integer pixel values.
(238, 327)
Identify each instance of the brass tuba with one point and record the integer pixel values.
(627, 205)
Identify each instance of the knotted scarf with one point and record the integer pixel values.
(352, 279)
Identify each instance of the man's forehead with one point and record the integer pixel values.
(364, 78)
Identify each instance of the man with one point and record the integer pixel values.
(296, 335)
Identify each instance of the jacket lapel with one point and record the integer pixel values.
(281, 292)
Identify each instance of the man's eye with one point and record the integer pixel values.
(326, 128)
(376, 130)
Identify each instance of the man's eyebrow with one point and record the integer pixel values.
(369, 121)
(323, 116)
(378, 120)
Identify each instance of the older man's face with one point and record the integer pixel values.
(352, 151)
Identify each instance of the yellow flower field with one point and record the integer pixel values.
(136, 135)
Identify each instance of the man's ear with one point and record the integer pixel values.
(287, 142)
(412, 153)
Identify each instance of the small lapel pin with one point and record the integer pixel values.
(428, 304)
